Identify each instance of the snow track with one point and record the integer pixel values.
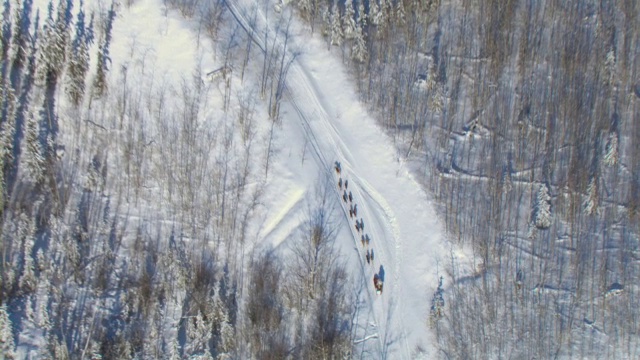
(396, 212)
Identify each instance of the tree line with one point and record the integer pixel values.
(528, 111)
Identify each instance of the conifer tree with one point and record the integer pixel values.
(436, 312)
(222, 327)
(19, 40)
(374, 13)
(43, 314)
(174, 350)
(100, 80)
(61, 38)
(33, 150)
(53, 46)
(611, 152)
(198, 333)
(349, 20)
(47, 34)
(591, 202)
(304, 6)
(7, 131)
(507, 181)
(362, 16)
(325, 30)
(28, 279)
(336, 27)
(400, 14)
(78, 62)
(6, 334)
(359, 49)
(383, 13)
(5, 39)
(543, 208)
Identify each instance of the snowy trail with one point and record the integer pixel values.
(324, 108)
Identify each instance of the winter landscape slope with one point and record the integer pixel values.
(323, 121)
(173, 179)
(148, 162)
(322, 113)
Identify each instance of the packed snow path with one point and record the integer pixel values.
(398, 217)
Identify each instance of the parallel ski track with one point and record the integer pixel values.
(343, 155)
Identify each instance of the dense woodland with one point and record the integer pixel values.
(526, 109)
(529, 110)
(124, 218)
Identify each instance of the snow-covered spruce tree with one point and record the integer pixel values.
(362, 16)
(96, 354)
(100, 79)
(325, 28)
(43, 45)
(198, 333)
(53, 45)
(374, 13)
(174, 350)
(590, 204)
(42, 316)
(506, 180)
(33, 151)
(610, 66)
(6, 334)
(89, 35)
(305, 8)
(7, 132)
(5, 38)
(359, 49)
(223, 330)
(386, 13)
(543, 208)
(28, 279)
(227, 341)
(58, 348)
(436, 312)
(611, 152)
(19, 40)
(78, 62)
(336, 26)
(400, 14)
(63, 22)
(28, 309)
(349, 20)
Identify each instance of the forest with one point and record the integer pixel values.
(528, 110)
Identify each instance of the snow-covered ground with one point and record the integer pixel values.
(322, 121)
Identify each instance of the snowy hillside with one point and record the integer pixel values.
(242, 179)
(324, 121)
(186, 133)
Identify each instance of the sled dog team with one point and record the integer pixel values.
(347, 198)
